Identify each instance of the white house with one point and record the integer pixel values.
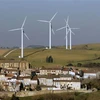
(72, 73)
(45, 80)
(34, 80)
(65, 84)
(52, 70)
(65, 77)
(89, 74)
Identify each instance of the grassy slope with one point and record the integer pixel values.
(2, 51)
(60, 55)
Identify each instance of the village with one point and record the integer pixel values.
(20, 76)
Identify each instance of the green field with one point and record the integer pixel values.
(61, 56)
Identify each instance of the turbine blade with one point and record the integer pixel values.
(26, 36)
(72, 32)
(67, 19)
(43, 21)
(75, 28)
(53, 16)
(24, 22)
(53, 32)
(15, 29)
(61, 28)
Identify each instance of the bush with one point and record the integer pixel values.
(14, 97)
(79, 64)
(38, 88)
(69, 64)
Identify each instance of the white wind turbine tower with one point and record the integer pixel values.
(22, 33)
(71, 32)
(66, 27)
(50, 28)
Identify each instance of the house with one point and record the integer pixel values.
(59, 82)
(2, 77)
(21, 64)
(51, 70)
(34, 80)
(11, 86)
(89, 74)
(68, 84)
(10, 71)
(65, 71)
(9, 75)
(72, 73)
(26, 80)
(65, 77)
(98, 75)
(47, 79)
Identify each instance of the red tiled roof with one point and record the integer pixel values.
(11, 70)
(24, 77)
(17, 82)
(51, 68)
(35, 78)
(9, 75)
(65, 69)
(90, 71)
(66, 80)
(48, 76)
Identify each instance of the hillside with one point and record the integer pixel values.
(61, 56)
(2, 51)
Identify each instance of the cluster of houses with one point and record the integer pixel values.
(17, 75)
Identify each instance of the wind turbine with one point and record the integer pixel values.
(22, 33)
(71, 32)
(50, 28)
(66, 27)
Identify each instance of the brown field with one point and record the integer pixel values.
(2, 51)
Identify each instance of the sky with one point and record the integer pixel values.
(83, 14)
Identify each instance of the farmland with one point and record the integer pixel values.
(61, 56)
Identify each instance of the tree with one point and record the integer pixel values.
(30, 66)
(95, 83)
(69, 64)
(14, 97)
(38, 88)
(33, 73)
(21, 86)
(81, 73)
(49, 59)
(79, 64)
